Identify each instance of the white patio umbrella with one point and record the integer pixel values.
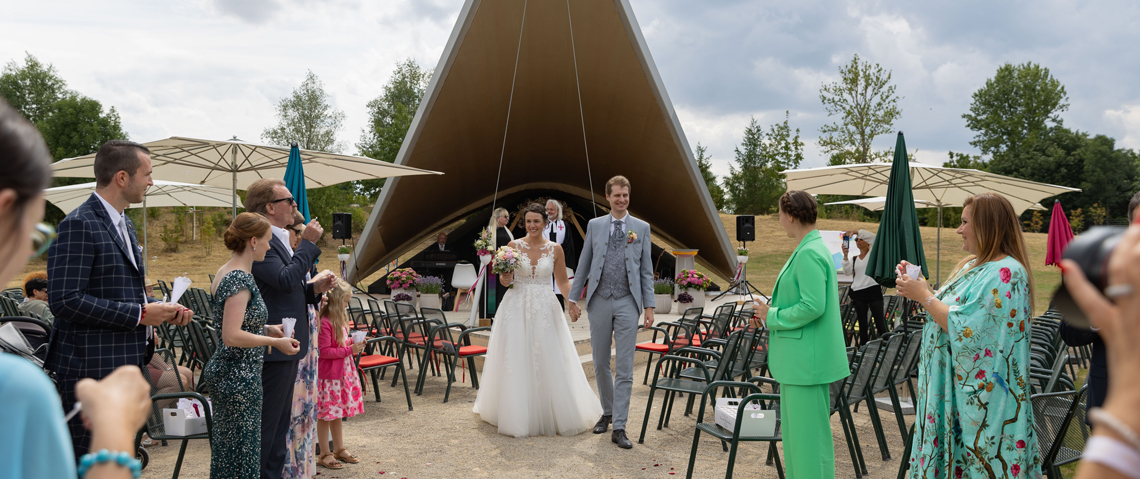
(235, 164)
(879, 202)
(163, 193)
(937, 185)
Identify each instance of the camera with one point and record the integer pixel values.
(1091, 252)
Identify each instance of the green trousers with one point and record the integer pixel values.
(809, 451)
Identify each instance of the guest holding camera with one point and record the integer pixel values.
(973, 415)
(807, 351)
(866, 294)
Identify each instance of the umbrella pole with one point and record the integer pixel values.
(938, 255)
(233, 171)
(146, 266)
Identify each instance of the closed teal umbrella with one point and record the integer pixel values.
(898, 237)
(295, 181)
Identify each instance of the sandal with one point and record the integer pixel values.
(335, 464)
(346, 456)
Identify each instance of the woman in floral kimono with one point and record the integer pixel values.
(973, 415)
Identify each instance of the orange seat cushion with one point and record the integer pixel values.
(653, 347)
(682, 342)
(472, 350)
(374, 360)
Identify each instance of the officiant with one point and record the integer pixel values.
(558, 231)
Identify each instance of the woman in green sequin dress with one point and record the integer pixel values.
(233, 374)
(973, 415)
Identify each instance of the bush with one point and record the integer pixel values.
(209, 235)
(221, 222)
(171, 237)
(153, 213)
(663, 286)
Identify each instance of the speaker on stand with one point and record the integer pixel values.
(342, 226)
(745, 232)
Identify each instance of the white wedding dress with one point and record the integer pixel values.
(533, 383)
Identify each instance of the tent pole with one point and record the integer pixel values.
(938, 256)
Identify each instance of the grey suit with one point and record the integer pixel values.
(612, 315)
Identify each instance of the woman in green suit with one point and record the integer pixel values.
(806, 350)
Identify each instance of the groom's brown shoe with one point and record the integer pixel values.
(603, 425)
(618, 437)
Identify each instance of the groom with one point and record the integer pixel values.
(620, 287)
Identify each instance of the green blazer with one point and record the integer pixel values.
(806, 345)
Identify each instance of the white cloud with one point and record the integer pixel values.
(1126, 117)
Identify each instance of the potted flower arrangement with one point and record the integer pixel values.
(402, 298)
(343, 252)
(430, 287)
(695, 283)
(402, 280)
(483, 246)
(742, 255)
(686, 301)
(662, 296)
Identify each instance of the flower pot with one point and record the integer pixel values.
(664, 303)
(429, 300)
(409, 292)
(742, 259)
(698, 299)
(343, 257)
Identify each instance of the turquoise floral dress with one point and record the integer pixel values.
(973, 416)
(233, 377)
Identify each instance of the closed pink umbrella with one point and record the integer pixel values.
(1060, 234)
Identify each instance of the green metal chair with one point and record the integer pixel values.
(155, 426)
(732, 439)
(371, 361)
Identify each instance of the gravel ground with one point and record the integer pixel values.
(439, 440)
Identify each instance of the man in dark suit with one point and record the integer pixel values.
(96, 283)
(558, 231)
(282, 279)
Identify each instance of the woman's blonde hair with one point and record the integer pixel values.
(493, 226)
(336, 309)
(997, 231)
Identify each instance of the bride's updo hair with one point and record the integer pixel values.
(535, 208)
(245, 226)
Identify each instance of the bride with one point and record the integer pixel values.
(533, 382)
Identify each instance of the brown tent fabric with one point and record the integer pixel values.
(630, 128)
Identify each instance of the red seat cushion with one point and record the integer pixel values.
(373, 360)
(653, 347)
(472, 350)
(682, 342)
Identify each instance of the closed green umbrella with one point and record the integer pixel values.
(295, 181)
(898, 237)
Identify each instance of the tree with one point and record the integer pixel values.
(867, 105)
(967, 161)
(308, 118)
(78, 126)
(754, 185)
(390, 115)
(1018, 105)
(704, 163)
(32, 89)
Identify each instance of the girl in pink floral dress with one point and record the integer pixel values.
(338, 387)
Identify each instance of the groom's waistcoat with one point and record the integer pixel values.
(614, 282)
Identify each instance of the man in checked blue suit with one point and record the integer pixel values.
(616, 259)
(96, 283)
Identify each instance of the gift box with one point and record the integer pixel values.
(178, 423)
(757, 422)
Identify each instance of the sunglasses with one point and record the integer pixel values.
(297, 230)
(289, 199)
(42, 237)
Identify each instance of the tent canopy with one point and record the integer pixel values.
(625, 117)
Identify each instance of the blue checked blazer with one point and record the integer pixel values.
(281, 280)
(96, 295)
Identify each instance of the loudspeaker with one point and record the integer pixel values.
(745, 228)
(342, 226)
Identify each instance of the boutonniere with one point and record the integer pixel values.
(631, 237)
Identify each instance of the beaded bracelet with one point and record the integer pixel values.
(1100, 417)
(105, 456)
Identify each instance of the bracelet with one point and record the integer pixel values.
(1100, 417)
(105, 456)
(1113, 454)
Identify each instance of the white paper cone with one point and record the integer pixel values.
(358, 336)
(181, 284)
(288, 324)
(915, 272)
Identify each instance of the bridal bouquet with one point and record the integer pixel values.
(506, 260)
(483, 244)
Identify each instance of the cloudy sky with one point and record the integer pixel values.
(215, 68)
